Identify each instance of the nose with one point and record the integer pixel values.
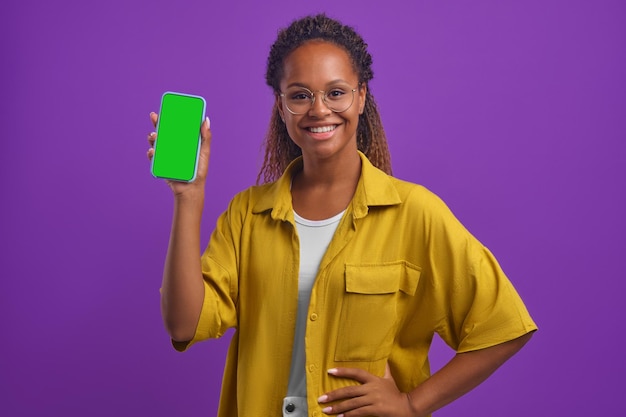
(318, 106)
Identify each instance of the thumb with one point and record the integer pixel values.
(388, 375)
(388, 372)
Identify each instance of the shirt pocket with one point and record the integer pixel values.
(369, 310)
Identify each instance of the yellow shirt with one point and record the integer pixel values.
(399, 268)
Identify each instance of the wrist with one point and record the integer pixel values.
(190, 196)
(189, 205)
(413, 409)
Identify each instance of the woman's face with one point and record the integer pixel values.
(320, 132)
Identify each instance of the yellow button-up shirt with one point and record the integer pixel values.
(399, 268)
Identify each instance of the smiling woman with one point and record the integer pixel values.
(367, 267)
(327, 138)
(371, 140)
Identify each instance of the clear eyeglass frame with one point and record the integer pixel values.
(327, 103)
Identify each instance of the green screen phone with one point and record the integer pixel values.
(177, 146)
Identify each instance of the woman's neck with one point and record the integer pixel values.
(323, 189)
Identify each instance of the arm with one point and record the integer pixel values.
(182, 290)
(463, 373)
(381, 397)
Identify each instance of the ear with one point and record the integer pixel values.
(362, 95)
(279, 106)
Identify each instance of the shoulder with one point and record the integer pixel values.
(418, 197)
(257, 198)
(378, 188)
(247, 198)
(423, 208)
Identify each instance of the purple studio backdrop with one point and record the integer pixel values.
(513, 112)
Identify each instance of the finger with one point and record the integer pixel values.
(357, 374)
(152, 138)
(205, 137)
(154, 118)
(351, 405)
(205, 129)
(150, 154)
(342, 393)
(387, 372)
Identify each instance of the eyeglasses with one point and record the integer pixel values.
(299, 100)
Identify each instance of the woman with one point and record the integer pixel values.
(334, 274)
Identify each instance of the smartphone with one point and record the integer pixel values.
(177, 146)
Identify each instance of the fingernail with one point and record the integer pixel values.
(322, 399)
(332, 371)
(208, 122)
(327, 410)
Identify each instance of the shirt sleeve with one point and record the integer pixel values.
(485, 309)
(477, 304)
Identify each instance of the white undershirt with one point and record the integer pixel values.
(315, 236)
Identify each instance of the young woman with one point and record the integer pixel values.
(334, 274)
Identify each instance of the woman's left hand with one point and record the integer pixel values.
(375, 396)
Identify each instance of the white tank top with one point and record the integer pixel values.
(315, 236)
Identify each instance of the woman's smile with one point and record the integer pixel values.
(322, 129)
(321, 133)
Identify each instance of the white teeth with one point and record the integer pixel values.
(322, 129)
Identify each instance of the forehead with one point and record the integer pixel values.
(316, 64)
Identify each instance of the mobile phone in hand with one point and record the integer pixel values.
(177, 146)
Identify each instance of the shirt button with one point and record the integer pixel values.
(290, 407)
(311, 368)
(314, 316)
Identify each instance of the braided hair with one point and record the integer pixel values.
(280, 150)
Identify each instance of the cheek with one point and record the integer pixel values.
(355, 116)
(291, 125)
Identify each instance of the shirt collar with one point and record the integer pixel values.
(375, 188)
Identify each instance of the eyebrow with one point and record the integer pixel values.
(330, 83)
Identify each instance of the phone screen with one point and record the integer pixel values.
(177, 145)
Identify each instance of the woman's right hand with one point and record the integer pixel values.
(190, 189)
(182, 292)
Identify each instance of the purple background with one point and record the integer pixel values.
(513, 112)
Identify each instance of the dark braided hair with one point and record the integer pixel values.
(280, 150)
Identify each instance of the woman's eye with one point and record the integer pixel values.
(300, 96)
(335, 94)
